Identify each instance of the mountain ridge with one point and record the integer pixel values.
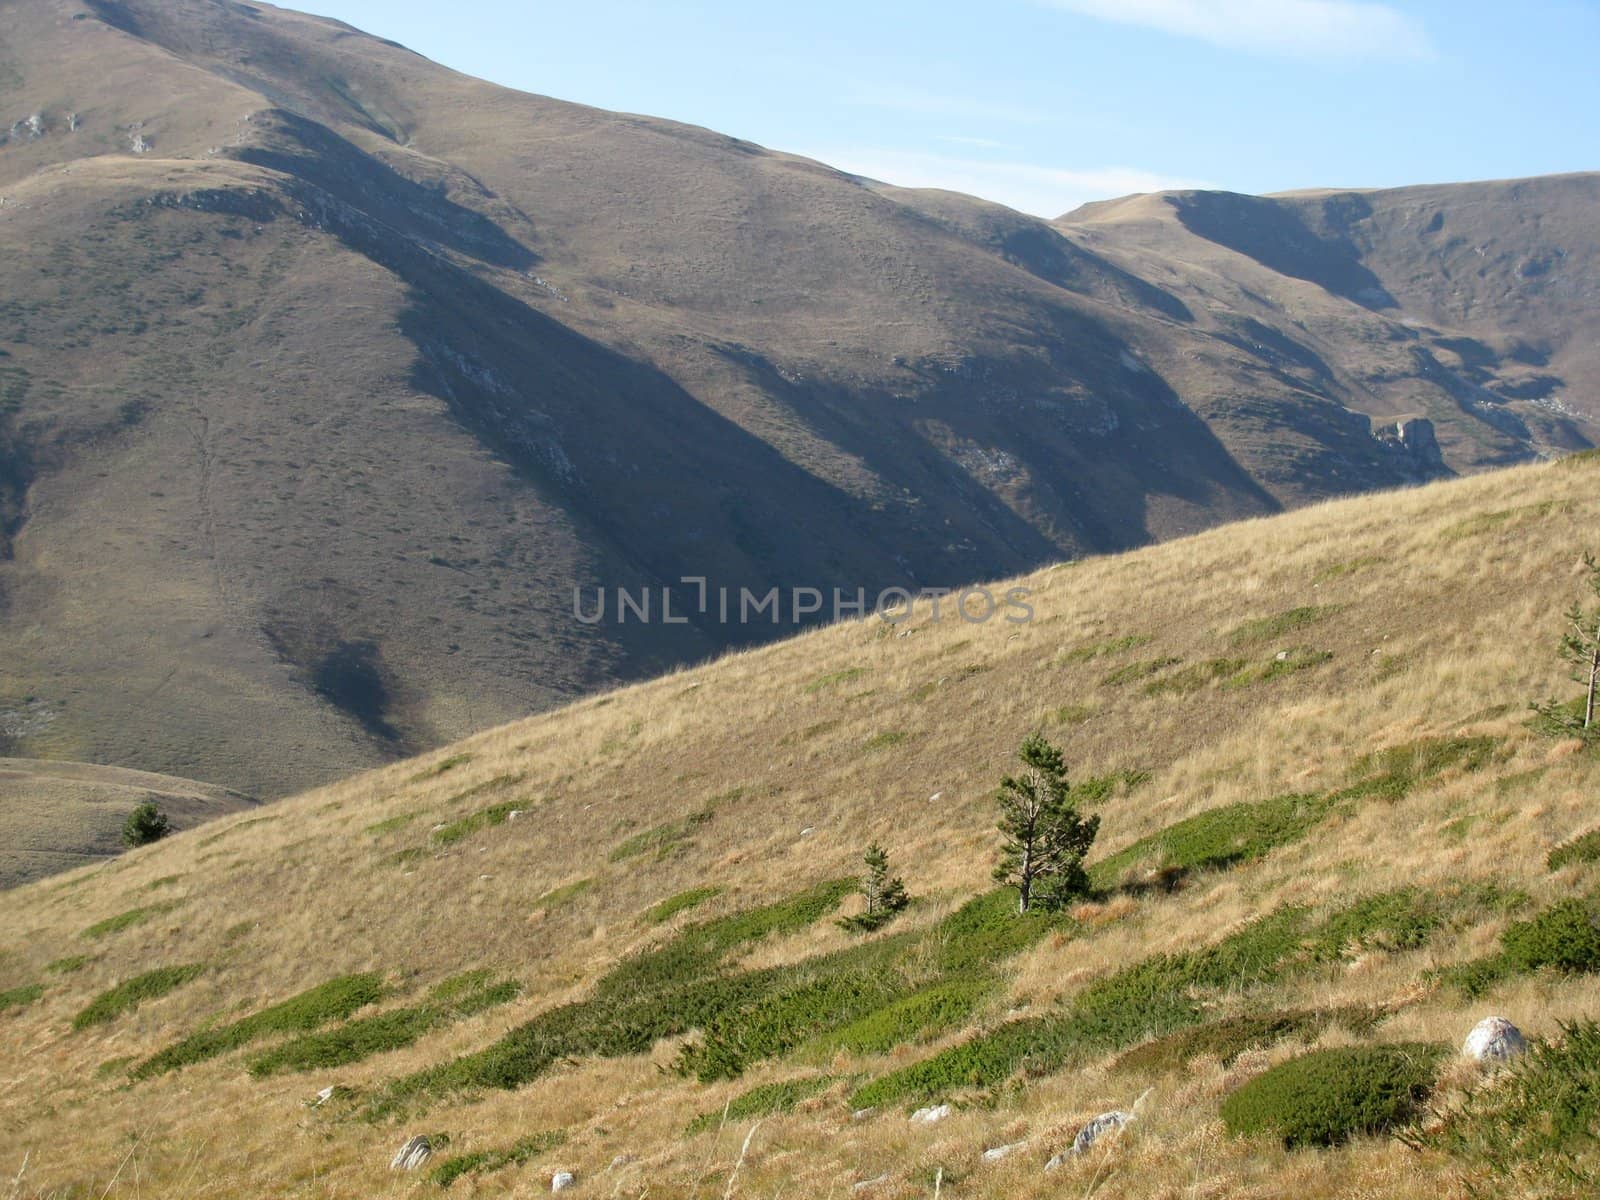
(365, 365)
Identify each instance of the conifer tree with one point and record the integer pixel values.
(145, 824)
(1579, 647)
(885, 894)
(1044, 838)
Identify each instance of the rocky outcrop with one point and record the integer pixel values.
(1414, 439)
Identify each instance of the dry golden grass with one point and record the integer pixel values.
(1433, 631)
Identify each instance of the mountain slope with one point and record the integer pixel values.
(58, 815)
(326, 374)
(1368, 661)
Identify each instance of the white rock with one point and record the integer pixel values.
(1494, 1040)
(935, 796)
(996, 1153)
(562, 1180)
(621, 1160)
(412, 1155)
(324, 1096)
(515, 813)
(1107, 1122)
(807, 831)
(861, 1114)
(931, 1115)
(870, 1183)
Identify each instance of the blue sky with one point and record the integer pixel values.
(1044, 104)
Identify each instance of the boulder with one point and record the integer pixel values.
(996, 1153)
(562, 1180)
(931, 1115)
(1094, 1131)
(1494, 1040)
(416, 1151)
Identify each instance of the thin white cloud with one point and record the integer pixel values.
(978, 143)
(1026, 187)
(924, 102)
(1337, 29)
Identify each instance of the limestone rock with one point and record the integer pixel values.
(1494, 1040)
(996, 1153)
(932, 1115)
(1106, 1122)
(562, 1180)
(416, 1151)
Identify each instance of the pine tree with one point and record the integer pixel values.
(885, 895)
(145, 824)
(1045, 840)
(1580, 647)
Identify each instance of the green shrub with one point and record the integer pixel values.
(835, 678)
(1161, 995)
(1227, 1039)
(885, 739)
(20, 997)
(480, 1161)
(1221, 838)
(334, 1000)
(1339, 569)
(440, 767)
(485, 818)
(454, 999)
(659, 914)
(785, 1018)
(919, 1017)
(1326, 1097)
(1276, 626)
(1392, 773)
(661, 841)
(131, 993)
(767, 1100)
(209, 839)
(1296, 658)
(982, 1061)
(1136, 671)
(391, 824)
(126, 920)
(564, 894)
(1585, 848)
(1565, 936)
(1093, 650)
(69, 964)
(1475, 977)
(1403, 919)
(1196, 676)
(987, 929)
(1537, 1127)
(145, 824)
(663, 991)
(1098, 789)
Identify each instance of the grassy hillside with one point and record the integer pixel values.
(59, 815)
(327, 372)
(605, 931)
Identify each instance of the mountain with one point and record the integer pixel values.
(327, 374)
(599, 940)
